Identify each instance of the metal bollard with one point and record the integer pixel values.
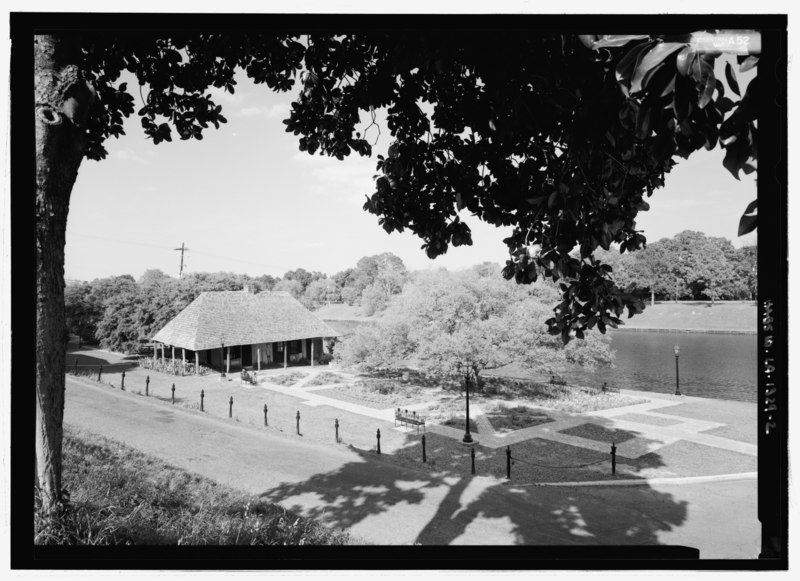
(336, 425)
(424, 457)
(298, 422)
(173, 394)
(265, 415)
(472, 453)
(508, 462)
(379, 440)
(122, 385)
(147, 386)
(99, 373)
(613, 458)
(202, 395)
(230, 408)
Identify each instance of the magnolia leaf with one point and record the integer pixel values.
(747, 224)
(730, 76)
(614, 40)
(748, 63)
(650, 60)
(626, 64)
(684, 60)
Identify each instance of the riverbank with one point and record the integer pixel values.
(696, 317)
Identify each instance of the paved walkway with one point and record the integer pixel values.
(388, 504)
(654, 429)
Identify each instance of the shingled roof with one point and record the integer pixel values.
(241, 318)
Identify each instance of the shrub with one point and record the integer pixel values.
(176, 367)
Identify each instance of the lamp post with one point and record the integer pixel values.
(677, 377)
(467, 436)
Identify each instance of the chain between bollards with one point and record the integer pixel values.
(122, 385)
(424, 457)
(298, 422)
(202, 395)
(230, 408)
(472, 453)
(266, 409)
(147, 386)
(336, 426)
(173, 394)
(613, 458)
(379, 440)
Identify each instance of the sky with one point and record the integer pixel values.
(245, 199)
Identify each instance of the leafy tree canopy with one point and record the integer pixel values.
(460, 324)
(563, 141)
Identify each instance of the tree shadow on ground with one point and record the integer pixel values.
(439, 508)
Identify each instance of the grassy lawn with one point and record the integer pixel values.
(380, 393)
(599, 433)
(725, 316)
(122, 497)
(535, 460)
(458, 423)
(286, 379)
(563, 398)
(506, 418)
(325, 378)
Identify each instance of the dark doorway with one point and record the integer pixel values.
(247, 355)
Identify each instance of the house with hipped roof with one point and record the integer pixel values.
(233, 330)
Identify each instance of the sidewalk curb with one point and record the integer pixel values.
(654, 481)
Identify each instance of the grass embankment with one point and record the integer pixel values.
(122, 497)
(697, 316)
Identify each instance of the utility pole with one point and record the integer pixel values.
(182, 249)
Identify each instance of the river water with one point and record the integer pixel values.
(711, 365)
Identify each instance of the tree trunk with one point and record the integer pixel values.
(62, 99)
(478, 380)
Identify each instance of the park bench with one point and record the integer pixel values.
(249, 378)
(409, 418)
(557, 380)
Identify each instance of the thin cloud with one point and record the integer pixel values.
(128, 154)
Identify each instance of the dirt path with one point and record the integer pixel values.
(388, 504)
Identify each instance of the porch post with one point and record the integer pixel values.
(303, 343)
(155, 351)
(162, 353)
(285, 356)
(312, 352)
(258, 355)
(196, 363)
(172, 347)
(228, 366)
(183, 351)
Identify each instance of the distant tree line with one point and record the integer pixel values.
(688, 266)
(121, 313)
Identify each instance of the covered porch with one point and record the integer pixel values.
(252, 357)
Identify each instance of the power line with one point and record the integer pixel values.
(117, 240)
(132, 243)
